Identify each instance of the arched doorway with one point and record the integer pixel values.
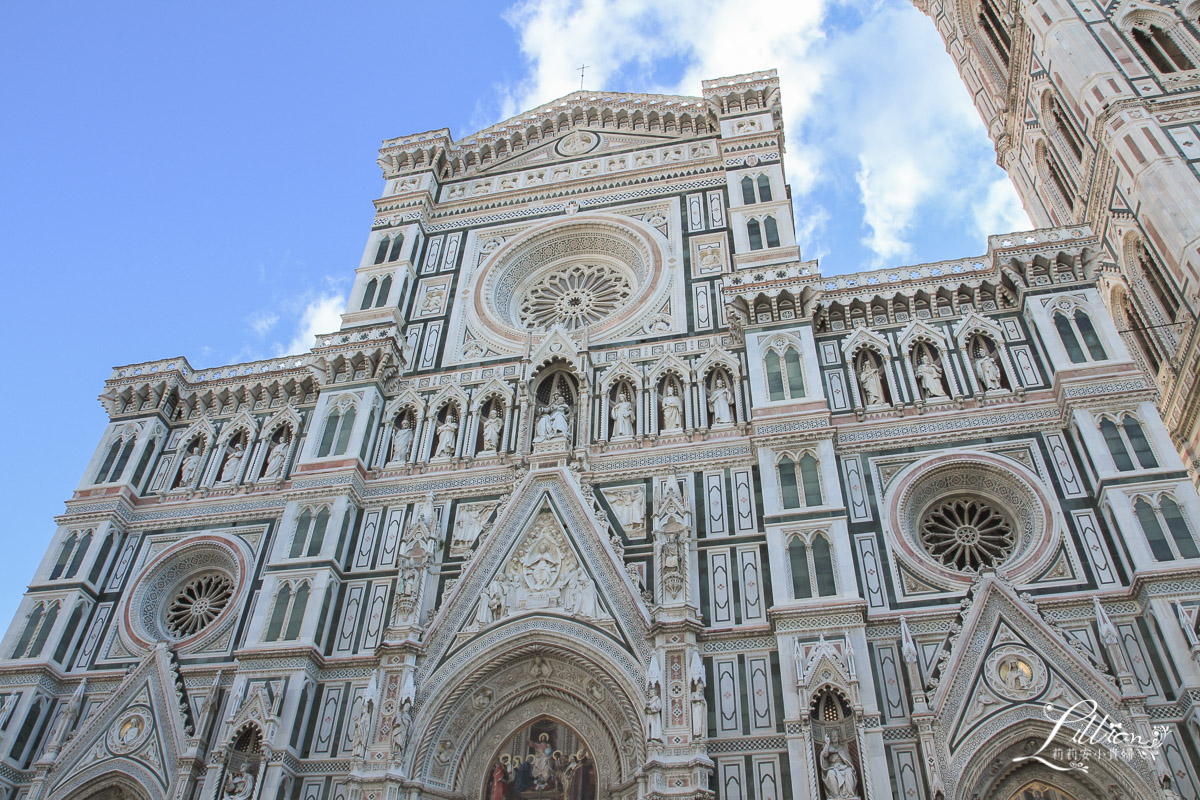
(1040, 790)
(544, 759)
(111, 785)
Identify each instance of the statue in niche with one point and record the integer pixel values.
(654, 718)
(492, 426)
(191, 463)
(622, 414)
(986, 370)
(402, 438)
(400, 726)
(929, 375)
(720, 402)
(838, 776)
(447, 436)
(238, 784)
(233, 462)
(358, 736)
(672, 410)
(871, 380)
(699, 714)
(469, 524)
(276, 457)
(552, 421)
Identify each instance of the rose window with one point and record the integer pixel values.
(967, 534)
(197, 602)
(575, 297)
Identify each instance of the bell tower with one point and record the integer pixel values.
(1094, 111)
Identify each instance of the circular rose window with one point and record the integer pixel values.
(967, 534)
(197, 602)
(574, 296)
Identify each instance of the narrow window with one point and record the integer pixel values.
(787, 483)
(369, 295)
(1184, 543)
(327, 436)
(64, 556)
(283, 599)
(795, 375)
(385, 289)
(772, 232)
(1153, 531)
(31, 626)
(43, 634)
(764, 188)
(1137, 438)
(1069, 339)
(993, 27)
(755, 233)
(143, 462)
(347, 427)
(1090, 339)
(366, 442)
(1059, 180)
(397, 243)
(296, 617)
(324, 615)
(774, 376)
(318, 534)
(823, 562)
(106, 467)
(382, 251)
(85, 542)
(64, 643)
(812, 482)
(1167, 44)
(101, 557)
(31, 721)
(801, 583)
(1137, 327)
(1116, 445)
(1160, 283)
(1067, 130)
(747, 190)
(301, 538)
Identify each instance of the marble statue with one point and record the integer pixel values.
(447, 436)
(622, 414)
(720, 402)
(492, 426)
(402, 438)
(191, 463)
(699, 714)
(654, 718)
(233, 463)
(672, 410)
(552, 420)
(836, 773)
(929, 375)
(872, 382)
(986, 370)
(276, 457)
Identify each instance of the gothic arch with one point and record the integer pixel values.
(104, 782)
(516, 673)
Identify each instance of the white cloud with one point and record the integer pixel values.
(867, 90)
(261, 322)
(321, 314)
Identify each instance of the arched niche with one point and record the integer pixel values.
(541, 757)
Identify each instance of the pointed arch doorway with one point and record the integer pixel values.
(542, 760)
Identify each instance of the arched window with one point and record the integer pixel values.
(43, 631)
(1058, 179)
(764, 188)
(287, 615)
(1137, 328)
(812, 567)
(754, 233)
(336, 436)
(1066, 130)
(810, 480)
(144, 462)
(330, 433)
(296, 615)
(397, 244)
(775, 376)
(32, 719)
(1116, 445)
(105, 468)
(1074, 328)
(85, 542)
(31, 629)
(1161, 49)
(1126, 442)
(369, 294)
(346, 427)
(283, 601)
(310, 533)
(366, 442)
(787, 482)
(786, 368)
(101, 558)
(748, 190)
(116, 459)
(1159, 281)
(1165, 529)
(382, 251)
(772, 229)
(992, 25)
(385, 289)
(64, 643)
(64, 555)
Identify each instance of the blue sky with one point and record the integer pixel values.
(196, 179)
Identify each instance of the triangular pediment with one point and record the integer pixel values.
(140, 730)
(1005, 666)
(544, 557)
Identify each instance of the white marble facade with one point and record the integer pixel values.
(602, 491)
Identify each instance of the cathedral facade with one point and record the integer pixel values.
(602, 492)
